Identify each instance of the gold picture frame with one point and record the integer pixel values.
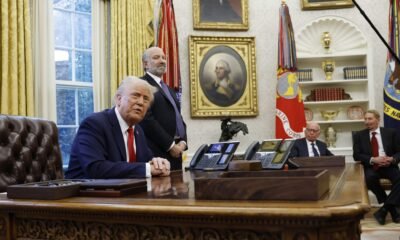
(221, 15)
(326, 4)
(222, 76)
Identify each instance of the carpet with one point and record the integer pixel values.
(372, 230)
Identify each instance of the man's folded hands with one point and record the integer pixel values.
(160, 167)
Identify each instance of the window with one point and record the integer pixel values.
(73, 67)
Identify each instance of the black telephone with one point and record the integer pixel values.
(215, 156)
(273, 153)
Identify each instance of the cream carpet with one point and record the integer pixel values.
(371, 230)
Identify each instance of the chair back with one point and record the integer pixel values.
(29, 151)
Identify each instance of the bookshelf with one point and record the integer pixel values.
(347, 49)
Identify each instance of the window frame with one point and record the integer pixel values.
(44, 62)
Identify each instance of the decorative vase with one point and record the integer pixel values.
(326, 40)
(329, 115)
(330, 136)
(328, 66)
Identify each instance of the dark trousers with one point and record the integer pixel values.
(372, 178)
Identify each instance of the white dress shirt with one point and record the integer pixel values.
(379, 138)
(309, 147)
(124, 129)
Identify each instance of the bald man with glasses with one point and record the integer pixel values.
(310, 146)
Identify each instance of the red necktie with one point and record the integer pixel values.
(375, 148)
(131, 149)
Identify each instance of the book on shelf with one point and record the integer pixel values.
(355, 72)
(304, 75)
(327, 94)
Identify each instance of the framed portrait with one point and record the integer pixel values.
(222, 76)
(325, 4)
(220, 15)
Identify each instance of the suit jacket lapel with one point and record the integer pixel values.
(305, 147)
(116, 130)
(155, 84)
(367, 141)
(384, 137)
(138, 144)
(320, 147)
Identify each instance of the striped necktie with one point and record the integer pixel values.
(180, 129)
(316, 154)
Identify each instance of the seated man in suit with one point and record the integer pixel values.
(310, 146)
(378, 150)
(111, 144)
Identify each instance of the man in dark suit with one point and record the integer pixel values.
(378, 150)
(310, 146)
(111, 144)
(163, 124)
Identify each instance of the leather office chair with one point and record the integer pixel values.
(29, 151)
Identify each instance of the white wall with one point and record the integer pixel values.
(263, 21)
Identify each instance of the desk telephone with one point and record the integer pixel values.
(215, 156)
(273, 153)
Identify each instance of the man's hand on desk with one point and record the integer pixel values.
(160, 167)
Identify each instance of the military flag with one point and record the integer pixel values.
(167, 39)
(290, 118)
(391, 93)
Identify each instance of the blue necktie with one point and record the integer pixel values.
(180, 129)
(316, 154)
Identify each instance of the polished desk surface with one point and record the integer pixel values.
(175, 195)
(170, 211)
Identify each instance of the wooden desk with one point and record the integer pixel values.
(170, 211)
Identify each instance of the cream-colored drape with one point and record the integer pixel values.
(131, 32)
(16, 82)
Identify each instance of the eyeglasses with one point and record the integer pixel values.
(312, 130)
